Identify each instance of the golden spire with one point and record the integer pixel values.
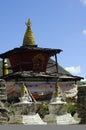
(28, 37)
(6, 72)
(24, 90)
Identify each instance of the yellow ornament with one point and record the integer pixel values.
(28, 37)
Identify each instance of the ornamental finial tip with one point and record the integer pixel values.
(28, 23)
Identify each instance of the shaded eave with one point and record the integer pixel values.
(65, 77)
(30, 76)
(23, 49)
(42, 76)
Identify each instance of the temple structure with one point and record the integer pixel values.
(30, 63)
(30, 66)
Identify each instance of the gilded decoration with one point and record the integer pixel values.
(29, 36)
(38, 62)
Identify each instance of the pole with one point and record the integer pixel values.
(56, 85)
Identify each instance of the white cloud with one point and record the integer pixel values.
(83, 79)
(84, 32)
(73, 69)
(83, 1)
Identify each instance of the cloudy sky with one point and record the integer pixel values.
(57, 24)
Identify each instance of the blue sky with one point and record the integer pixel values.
(57, 24)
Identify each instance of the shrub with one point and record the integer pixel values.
(43, 109)
(71, 108)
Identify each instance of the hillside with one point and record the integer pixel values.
(60, 68)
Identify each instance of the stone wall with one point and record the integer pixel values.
(3, 93)
(81, 103)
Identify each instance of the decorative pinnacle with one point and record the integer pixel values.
(28, 23)
(6, 72)
(29, 36)
(24, 90)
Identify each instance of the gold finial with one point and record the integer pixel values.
(23, 90)
(28, 23)
(56, 91)
(28, 37)
(5, 67)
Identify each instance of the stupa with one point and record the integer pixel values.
(29, 57)
(25, 110)
(58, 111)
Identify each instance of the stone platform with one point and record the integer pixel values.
(27, 120)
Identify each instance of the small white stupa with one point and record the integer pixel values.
(25, 110)
(58, 111)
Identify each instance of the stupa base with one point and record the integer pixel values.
(26, 120)
(65, 119)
